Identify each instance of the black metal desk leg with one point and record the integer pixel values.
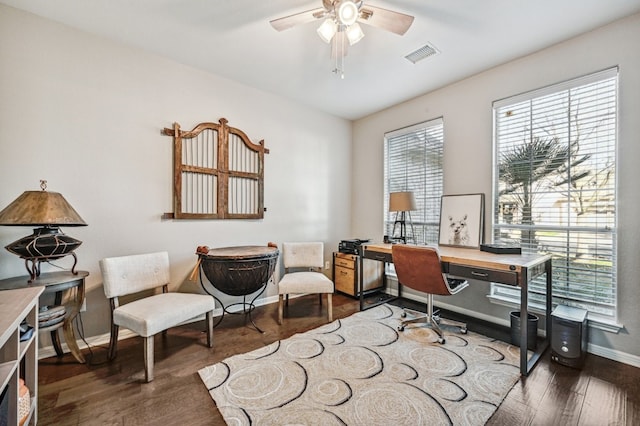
(548, 322)
(526, 365)
(361, 277)
(524, 322)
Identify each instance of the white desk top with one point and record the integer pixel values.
(475, 257)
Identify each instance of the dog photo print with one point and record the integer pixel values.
(461, 220)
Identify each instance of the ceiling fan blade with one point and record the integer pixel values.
(290, 21)
(389, 20)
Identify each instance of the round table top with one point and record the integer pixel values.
(240, 252)
(47, 279)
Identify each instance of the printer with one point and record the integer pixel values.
(351, 246)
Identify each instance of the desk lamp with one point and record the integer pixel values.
(401, 203)
(48, 211)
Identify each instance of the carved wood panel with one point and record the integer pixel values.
(218, 173)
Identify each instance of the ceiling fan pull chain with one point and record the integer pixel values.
(343, 54)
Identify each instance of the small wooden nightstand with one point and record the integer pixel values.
(346, 268)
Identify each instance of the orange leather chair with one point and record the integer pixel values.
(420, 268)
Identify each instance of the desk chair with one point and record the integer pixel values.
(153, 314)
(302, 262)
(419, 268)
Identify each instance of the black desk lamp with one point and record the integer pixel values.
(401, 203)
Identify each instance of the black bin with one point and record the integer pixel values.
(532, 330)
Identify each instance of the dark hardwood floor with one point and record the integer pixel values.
(113, 393)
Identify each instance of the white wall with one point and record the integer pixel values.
(466, 108)
(85, 114)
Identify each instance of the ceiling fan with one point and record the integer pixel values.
(340, 23)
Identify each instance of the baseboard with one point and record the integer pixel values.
(93, 341)
(614, 355)
(103, 339)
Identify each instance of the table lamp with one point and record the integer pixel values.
(401, 203)
(48, 211)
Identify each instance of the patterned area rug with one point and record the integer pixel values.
(361, 371)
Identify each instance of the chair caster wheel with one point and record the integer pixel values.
(441, 340)
(401, 328)
(463, 330)
(403, 315)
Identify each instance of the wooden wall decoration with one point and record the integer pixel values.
(218, 173)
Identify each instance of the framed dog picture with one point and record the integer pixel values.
(461, 220)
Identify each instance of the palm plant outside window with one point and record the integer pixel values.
(555, 187)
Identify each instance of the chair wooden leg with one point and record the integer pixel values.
(330, 306)
(148, 358)
(113, 341)
(320, 298)
(210, 329)
(280, 308)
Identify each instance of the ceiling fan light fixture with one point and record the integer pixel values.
(339, 27)
(347, 12)
(327, 30)
(354, 34)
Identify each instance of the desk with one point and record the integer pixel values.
(60, 282)
(510, 269)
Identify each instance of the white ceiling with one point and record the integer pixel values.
(233, 39)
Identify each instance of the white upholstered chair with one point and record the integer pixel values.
(302, 263)
(149, 315)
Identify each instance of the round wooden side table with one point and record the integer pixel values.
(60, 283)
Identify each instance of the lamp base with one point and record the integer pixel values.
(45, 244)
(403, 231)
(400, 220)
(33, 265)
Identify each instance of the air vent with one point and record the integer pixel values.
(422, 53)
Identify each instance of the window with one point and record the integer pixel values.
(555, 188)
(413, 162)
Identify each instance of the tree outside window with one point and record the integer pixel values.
(555, 185)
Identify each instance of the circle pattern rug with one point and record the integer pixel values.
(361, 371)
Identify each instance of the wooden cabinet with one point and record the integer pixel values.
(18, 359)
(346, 270)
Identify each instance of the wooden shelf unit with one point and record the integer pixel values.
(18, 359)
(346, 268)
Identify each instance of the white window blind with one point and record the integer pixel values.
(413, 162)
(555, 187)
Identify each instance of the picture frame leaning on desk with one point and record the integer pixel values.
(461, 220)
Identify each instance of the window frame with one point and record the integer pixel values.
(424, 222)
(508, 296)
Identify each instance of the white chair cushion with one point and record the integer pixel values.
(305, 282)
(154, 314)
